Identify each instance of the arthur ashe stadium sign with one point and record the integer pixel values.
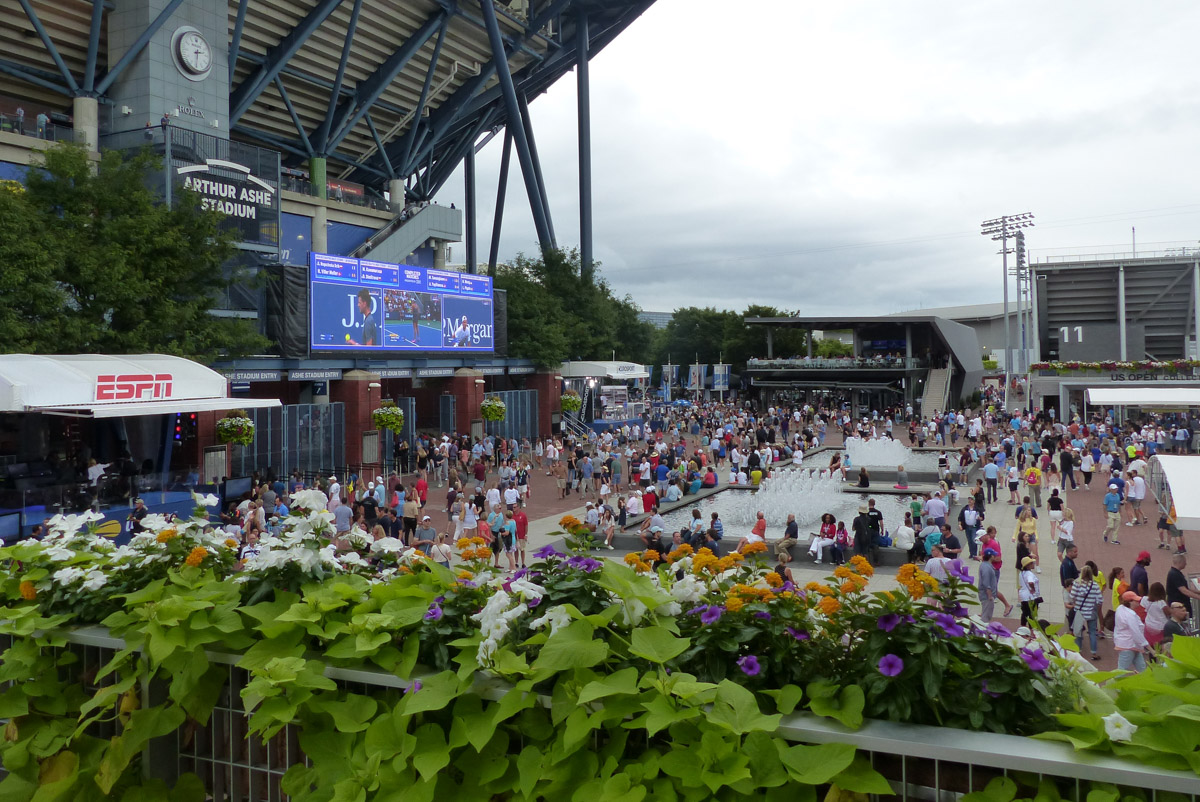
(241, 196)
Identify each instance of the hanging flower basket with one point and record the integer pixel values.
(571, 402)
(492, 409)
(389, 418)
(236, 428)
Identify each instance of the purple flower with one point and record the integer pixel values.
(988, 692)
(998, 629)
(434, 613)
(960, 571)
(957, 610)
(711, 615)
(585, 564)
(439, 600)
(890, 665)
(546, 552)
(1035, 659)
(534, 602)
(946, 623)
(888, 621)
(467, 583)
(798, 634)
(765, 616)
(416, 686)
(749, 665)
(788, 585)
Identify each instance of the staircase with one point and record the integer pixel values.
(937, 388)
(571, 424)
(399, 238)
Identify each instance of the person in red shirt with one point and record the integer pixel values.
(422, 488)
(649, 500)
(522, 522)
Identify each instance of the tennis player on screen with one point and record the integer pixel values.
(462, 334)
(370, 326)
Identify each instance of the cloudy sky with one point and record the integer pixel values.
(838, 157)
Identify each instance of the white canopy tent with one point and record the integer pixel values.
(1170, 397)
(1181, 475)
(102, 386)
(619, 371)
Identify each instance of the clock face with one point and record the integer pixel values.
(193, 55)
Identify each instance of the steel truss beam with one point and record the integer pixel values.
(367, 92)
(115, 71)
(89, 70)
(336, 91)
(244, 96)
(49, 44)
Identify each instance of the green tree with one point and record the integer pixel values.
(831, 348)
(125, 273)
(554, 314)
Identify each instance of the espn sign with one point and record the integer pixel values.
(133, 386)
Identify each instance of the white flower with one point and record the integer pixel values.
(526, 589)
(309, 500)
(688, 589)
(155, 522)
(205, 501)
(632, 612)
(94, 580)
(495, 620)
(1118, 727)
(59, 554)
(670, 608)
(555, 617)
(65, 576)
(387, 545)
(353, 558)
(358, 537)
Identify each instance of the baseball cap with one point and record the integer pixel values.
(1130, 596)
(656, 529)
(1112, 487)
(590, 504)
(333, 478)
(1143, 555)
(990, 553)
(426, 518)
(370, 485)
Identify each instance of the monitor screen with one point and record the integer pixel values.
(361, 305)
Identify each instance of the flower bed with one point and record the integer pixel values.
(668, 675)
(236, 428)
(1172, 366)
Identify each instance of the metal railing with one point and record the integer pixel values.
(837, 363)
(339, 191)
(919, 762)
(1103, 253)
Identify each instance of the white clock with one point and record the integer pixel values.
(192, 54)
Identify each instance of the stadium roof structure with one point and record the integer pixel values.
(383, 90)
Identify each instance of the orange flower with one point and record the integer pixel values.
(848, 587)
(642, 567)
(774, 580)
(651, 556)
(569, 522)
(754, 548)
(28, 591)
(465, 575)
(813, 587)
(829, 605)
(196, 556)
(863, 566)
(231, 543)
(632, 558)
(733, 604)
(703, 561)
(842, 572)
(166, 535)
(478, 541)
(463, 544)
(725, 563)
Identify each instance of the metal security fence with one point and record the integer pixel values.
(521, 419)
(388, 439)
(920, 762)
(310, 438)
(447, 409)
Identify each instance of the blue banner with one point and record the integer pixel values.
(697, 374)
(364, 305)
(720, 377)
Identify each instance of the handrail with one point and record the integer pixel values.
(392, 226)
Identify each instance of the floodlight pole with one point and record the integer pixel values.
(1001, 229)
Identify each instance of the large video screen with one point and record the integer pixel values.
(360, 305)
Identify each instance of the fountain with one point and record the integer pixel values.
(880, 453)
(805, 493)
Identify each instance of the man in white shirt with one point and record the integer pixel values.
(1135, 494)
(335, 492)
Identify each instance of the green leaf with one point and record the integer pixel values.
(786, 698)
(436, 692)
(529, 769)
(863, 779)
(1000, 789)
(571, 647)
(660, 714)
(657, 644)
(432, 754)
(13, 702)
(56, 778)
(844, 704)
(351, 714)
(815, 765)
(736, 708)
(622, 682)
(144, 724)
